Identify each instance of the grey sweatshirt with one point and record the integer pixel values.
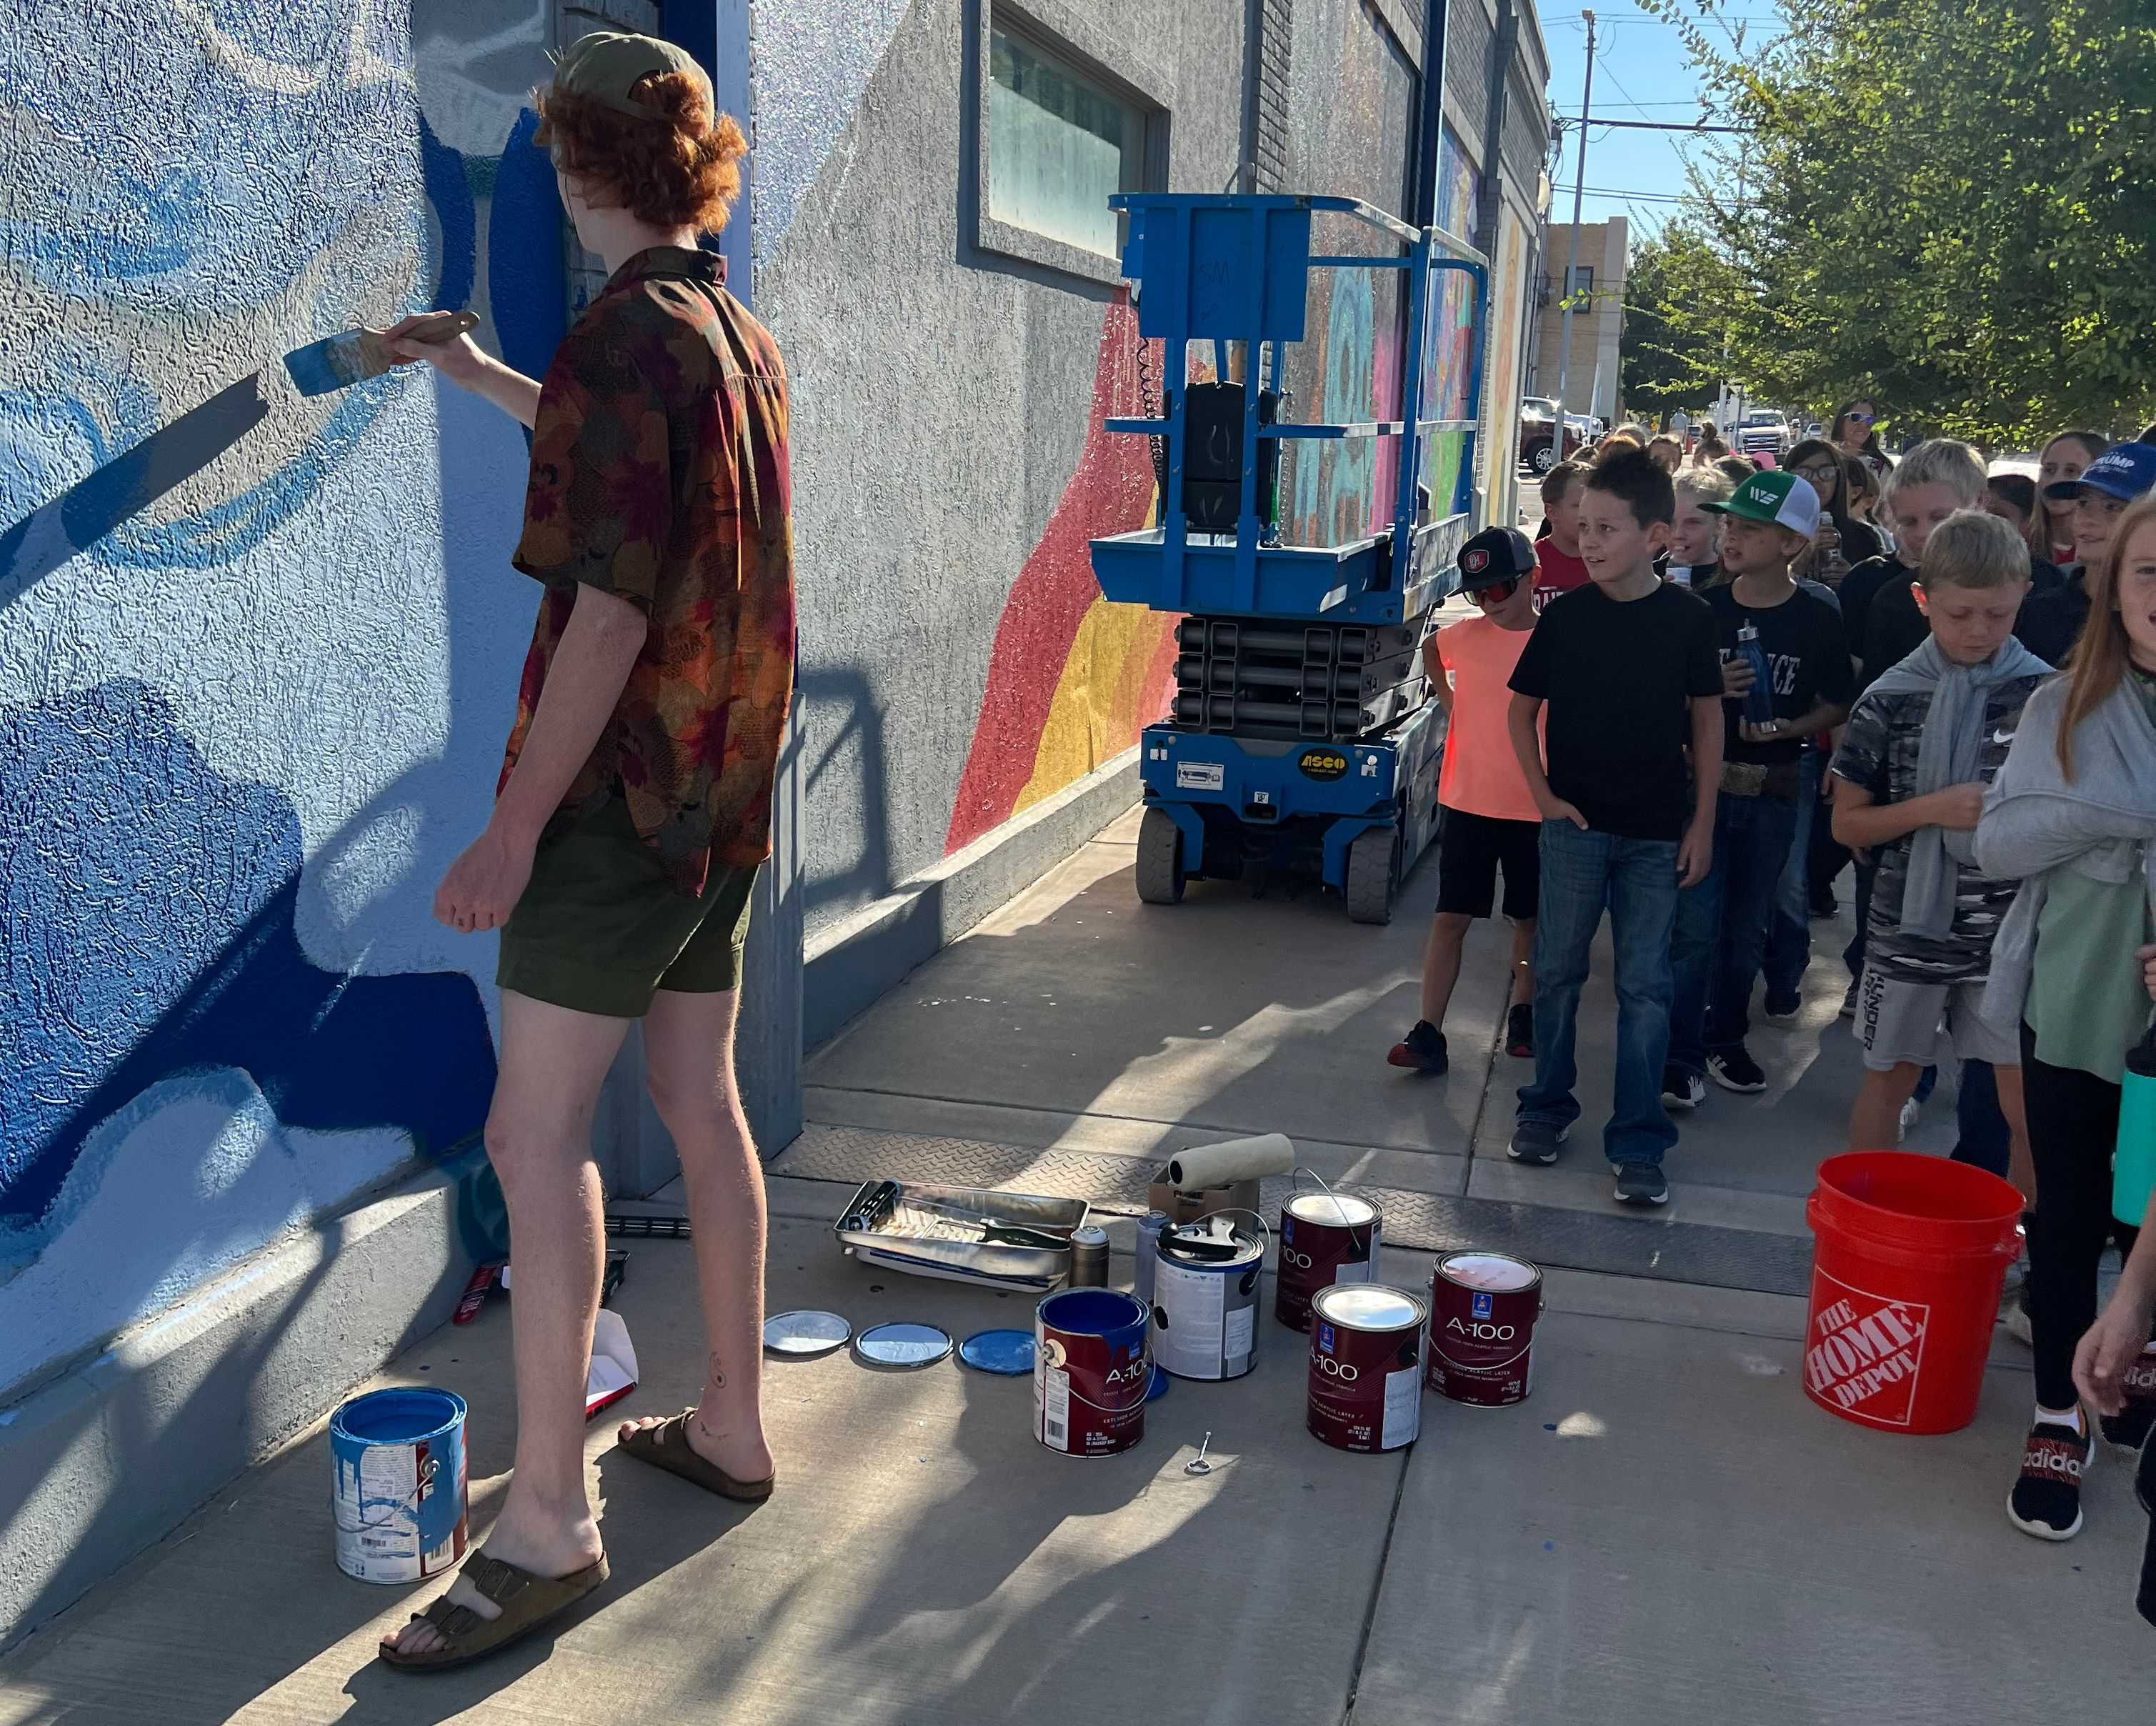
(2101, 824)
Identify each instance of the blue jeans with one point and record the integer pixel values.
(1721, 929)
(1582, 871)
(1790, 935)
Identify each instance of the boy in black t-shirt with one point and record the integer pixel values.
(1722, 924)
(1627, 671)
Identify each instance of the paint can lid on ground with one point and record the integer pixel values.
(805, 1334)
(1008, 1352)
(902, 1345)
(1340, 1209)
(1368, 1306)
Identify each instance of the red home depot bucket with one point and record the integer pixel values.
(1912, 1254)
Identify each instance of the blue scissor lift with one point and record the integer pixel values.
(1302, 728)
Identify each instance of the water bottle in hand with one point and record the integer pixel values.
(1760, 699)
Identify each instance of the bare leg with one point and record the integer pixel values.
(2020, 1167)
(1875, 1121)
(1440, 964)
(689, 1048)
(1523, 963)
(539, 1137)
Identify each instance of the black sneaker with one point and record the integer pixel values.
(1519, 1032)
(1785, 1010)
(1424, 1050)
(1536, 1140)
(1642, 1184)
(1682, 1090)
(2130, 1427)
(1734, 1070)
(2046, 1500)
(1824, 905)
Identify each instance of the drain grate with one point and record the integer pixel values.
(1668, 1251)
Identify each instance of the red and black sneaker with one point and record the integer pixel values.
(2130, 1427)
(2046, 1500)
(1519, 1032)
(1424, 1050)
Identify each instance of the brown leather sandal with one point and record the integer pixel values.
(666, 1445)
(527, 1603)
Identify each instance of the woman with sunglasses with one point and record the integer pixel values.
(1854, 437)
(1842, 541)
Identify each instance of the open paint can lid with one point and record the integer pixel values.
(1008, 1352)
(806, 1334)
(902, 1345)
(1368, 1306)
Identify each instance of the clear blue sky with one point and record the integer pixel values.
(1641, 72)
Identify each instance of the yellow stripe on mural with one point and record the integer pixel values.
(1094, 716)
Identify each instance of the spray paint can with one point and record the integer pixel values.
(1150, 1226)
(1089, 1257)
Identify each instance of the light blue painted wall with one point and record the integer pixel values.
(258, 652)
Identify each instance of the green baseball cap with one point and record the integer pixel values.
(1776, 497)
(604, 66)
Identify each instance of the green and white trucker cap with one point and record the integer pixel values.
(1777, 496)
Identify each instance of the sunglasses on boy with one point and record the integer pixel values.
(1496, 594)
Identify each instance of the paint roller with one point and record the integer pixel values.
(354, 355)
(1231, 1160)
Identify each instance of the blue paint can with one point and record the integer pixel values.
(399, 1487)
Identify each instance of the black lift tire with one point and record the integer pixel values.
(1160, 859)
(1372, 875)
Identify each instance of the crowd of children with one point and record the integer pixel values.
(1646, 714)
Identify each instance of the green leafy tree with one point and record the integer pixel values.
(1676, 291)
(1950, 207)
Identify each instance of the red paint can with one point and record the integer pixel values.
(1324, 1238)
(1482, 1312)
(1091, 1370)
(1366, 1366)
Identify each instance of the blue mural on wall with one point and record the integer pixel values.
(155, 900)
(245, 721)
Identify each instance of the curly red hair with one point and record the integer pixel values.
(681, 170)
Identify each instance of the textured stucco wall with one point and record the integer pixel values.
(956, 665)
(257, 650)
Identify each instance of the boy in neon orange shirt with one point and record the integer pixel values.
(1487, 818)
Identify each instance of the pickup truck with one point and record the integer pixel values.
(1765, 433)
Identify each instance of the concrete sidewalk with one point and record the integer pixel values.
(1665, 1531)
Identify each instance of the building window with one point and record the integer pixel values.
(1059, 146)
(1583, 283)
(1068, 118)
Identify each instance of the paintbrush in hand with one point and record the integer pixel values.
(354, 355)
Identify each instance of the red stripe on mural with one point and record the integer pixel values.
(1110, 493)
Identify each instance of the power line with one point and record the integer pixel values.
(1645, 126)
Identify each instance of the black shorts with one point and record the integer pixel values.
(1471, 848)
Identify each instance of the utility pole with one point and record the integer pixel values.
(1572, 261)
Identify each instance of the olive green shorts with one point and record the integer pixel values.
(601, 928)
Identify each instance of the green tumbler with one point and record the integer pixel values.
(2134, 1165)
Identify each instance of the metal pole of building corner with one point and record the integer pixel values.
(1430, 116)
(1572, 259)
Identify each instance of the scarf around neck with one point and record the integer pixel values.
(1950, 753)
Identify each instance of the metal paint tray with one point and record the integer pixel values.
(937, 1232)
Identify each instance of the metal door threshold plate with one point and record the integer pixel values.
(1670, 1251)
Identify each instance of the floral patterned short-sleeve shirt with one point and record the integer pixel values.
(659, 474)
